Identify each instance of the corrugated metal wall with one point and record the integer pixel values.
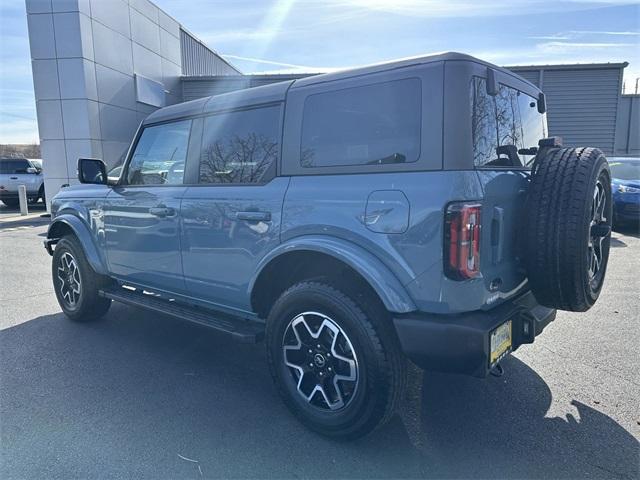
(198, 59)
(628, 126)
(198, 87)
(582, 101)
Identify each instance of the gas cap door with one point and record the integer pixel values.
(387, 211)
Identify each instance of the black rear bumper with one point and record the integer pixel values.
(460, 343)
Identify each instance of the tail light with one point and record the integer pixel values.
(462, 241)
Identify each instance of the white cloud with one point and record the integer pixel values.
(274, 62)
(575, 47)
(469, 8)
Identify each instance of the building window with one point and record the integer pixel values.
(369, 125)
(507, 120)
(160, 155)
(240, 147)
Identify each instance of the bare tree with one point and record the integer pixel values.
(238, 159)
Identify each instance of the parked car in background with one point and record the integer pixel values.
(625, 186)
(21, 171)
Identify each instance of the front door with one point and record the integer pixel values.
(142, 214)
(231, 220)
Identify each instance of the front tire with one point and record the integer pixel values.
(76, 284)
(339, 370)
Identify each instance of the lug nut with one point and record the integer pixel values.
(311, 365)
(310, 351)
(318, 346)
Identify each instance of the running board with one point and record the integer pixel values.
(245, 331)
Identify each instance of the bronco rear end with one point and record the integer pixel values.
(501, 240)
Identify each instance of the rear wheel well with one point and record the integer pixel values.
(291, 268)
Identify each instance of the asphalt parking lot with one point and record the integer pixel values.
(141, 395)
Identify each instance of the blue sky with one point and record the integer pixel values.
(317, 35)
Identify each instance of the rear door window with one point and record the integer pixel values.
(367, 125)
(504, 123)
(241, 147)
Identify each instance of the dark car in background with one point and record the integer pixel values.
(625, 187)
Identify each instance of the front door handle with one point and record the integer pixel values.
(162, 212)
(254, 216)
(13, 178)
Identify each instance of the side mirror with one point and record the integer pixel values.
(32, 170)
(92, 170)
(542, 103)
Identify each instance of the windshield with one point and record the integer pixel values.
(506, 127)
(625, 169)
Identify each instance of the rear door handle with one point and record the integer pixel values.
(13, 178)
(162, 211)
(254, 216)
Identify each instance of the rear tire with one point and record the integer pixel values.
(76, 284)
(369, 364)
(568, 227)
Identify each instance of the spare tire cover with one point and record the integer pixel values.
(567, 228)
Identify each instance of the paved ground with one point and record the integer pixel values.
(140, 395)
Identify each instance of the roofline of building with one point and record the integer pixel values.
(217, 54)
(248, 76)
(569, 66)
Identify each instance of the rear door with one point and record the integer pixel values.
(231, 219)
(142, 222)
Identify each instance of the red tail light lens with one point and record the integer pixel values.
(462, 241)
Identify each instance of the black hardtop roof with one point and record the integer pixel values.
(276, 92)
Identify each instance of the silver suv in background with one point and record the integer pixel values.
(21, 171)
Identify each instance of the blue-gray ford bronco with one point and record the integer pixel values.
(414, 210)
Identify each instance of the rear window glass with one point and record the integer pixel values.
(369, 125)
(504, 124)
(9, 166)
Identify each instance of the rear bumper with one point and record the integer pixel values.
(460, 343)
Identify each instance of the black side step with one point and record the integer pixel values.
(245, 331)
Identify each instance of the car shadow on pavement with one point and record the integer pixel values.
(498, 427)
(140, 395)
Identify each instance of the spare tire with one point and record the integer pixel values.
(568, 227)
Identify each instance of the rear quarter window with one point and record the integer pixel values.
(366, 125)
(510, 118)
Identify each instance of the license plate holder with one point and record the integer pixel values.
(500, 343)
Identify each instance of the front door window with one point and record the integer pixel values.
(160, 155)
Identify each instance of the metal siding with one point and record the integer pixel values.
(583, 106)
(530, 75)
(582, 102)
(628, 126)
(198, 59)
(198, 87)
